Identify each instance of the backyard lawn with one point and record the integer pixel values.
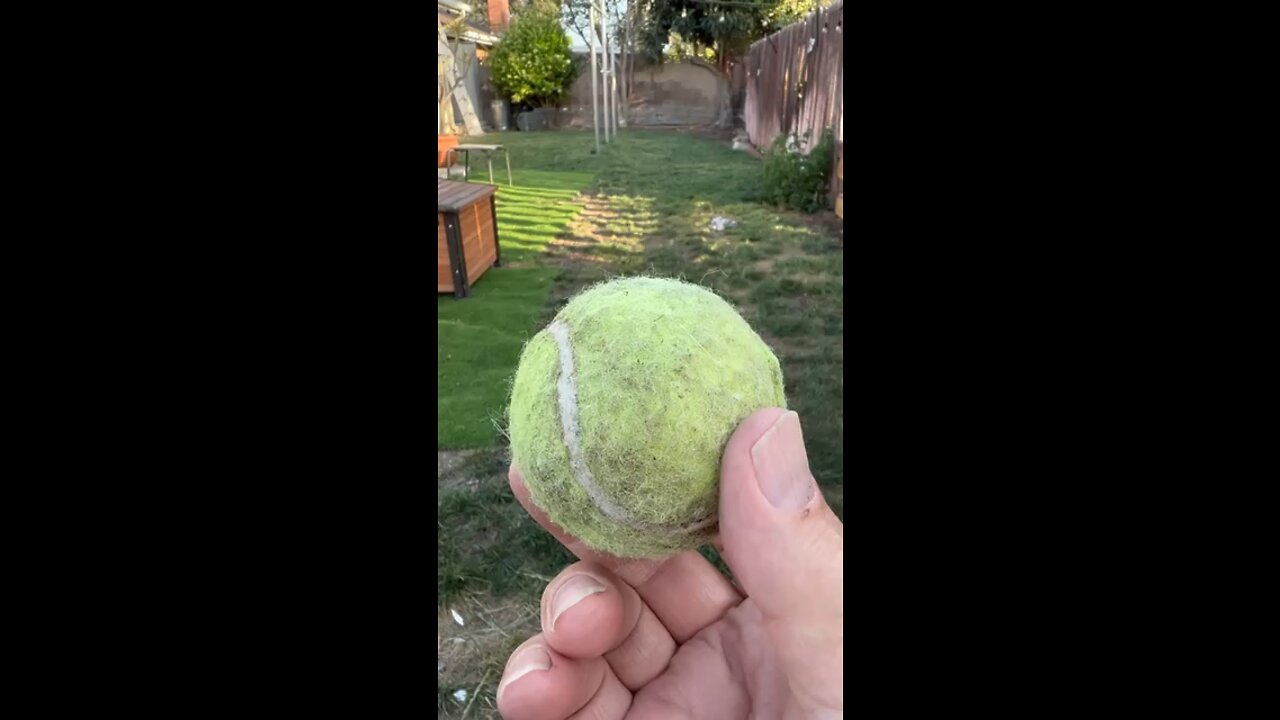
(643, 206)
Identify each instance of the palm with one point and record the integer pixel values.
(728, 670)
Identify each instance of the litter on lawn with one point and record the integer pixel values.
(720, 224)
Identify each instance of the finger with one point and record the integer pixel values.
(786, 548)
(645, 653)
(610, 702)
(587, 612)
(541, 684)
(685, 592)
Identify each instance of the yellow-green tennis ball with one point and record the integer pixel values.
(622, 406)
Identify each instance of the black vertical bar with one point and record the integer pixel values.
(497, 248)
(457, 261)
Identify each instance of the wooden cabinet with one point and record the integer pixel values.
(466, 235)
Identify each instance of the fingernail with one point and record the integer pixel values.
(782, 467)
(531, 659)
(571, 592)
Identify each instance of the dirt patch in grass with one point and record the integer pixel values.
(828, 223)
(767, 265)
(596, 236)
(470, 656)
(493, 562)
(448, 464)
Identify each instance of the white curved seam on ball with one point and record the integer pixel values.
(567, 398)
(567, 394)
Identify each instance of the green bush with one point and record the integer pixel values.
(795, 180)
(532, 64)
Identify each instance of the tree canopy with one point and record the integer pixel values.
(713, 29)
(532, 64)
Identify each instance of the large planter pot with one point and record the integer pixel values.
(499, 108)
(444, 149)
(536, 119)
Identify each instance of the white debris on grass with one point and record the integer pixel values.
(439, 666)
(457, 617)
(720, 223)
(460, 695)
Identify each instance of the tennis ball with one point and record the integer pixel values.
(621, 408)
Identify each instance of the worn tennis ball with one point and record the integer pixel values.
(622, 406)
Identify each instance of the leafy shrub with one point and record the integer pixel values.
(532, 64)
(796, 180)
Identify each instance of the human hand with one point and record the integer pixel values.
(674, 638)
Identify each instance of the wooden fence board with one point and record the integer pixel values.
(795, 83)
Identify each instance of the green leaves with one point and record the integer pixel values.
(728, 28)
(533, 64)
(796, 180)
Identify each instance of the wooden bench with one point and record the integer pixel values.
(467, 235)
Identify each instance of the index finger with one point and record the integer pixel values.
(685, 592)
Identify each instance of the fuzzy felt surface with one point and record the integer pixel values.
(624, 450)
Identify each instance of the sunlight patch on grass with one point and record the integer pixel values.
(479, 338)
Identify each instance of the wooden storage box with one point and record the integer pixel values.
(466, 235)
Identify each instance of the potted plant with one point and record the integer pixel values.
(444, 148)
(532, 66)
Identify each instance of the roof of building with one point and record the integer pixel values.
(474, 34)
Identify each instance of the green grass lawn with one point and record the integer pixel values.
(643, 206)
(479, 339)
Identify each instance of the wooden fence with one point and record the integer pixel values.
(795, 83)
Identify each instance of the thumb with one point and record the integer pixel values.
(786, 549)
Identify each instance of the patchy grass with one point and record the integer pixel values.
(470, 657)
(485, 542)
(645, 207)
(493, 562)
(656, 196)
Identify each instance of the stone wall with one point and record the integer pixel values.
(684, 93)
